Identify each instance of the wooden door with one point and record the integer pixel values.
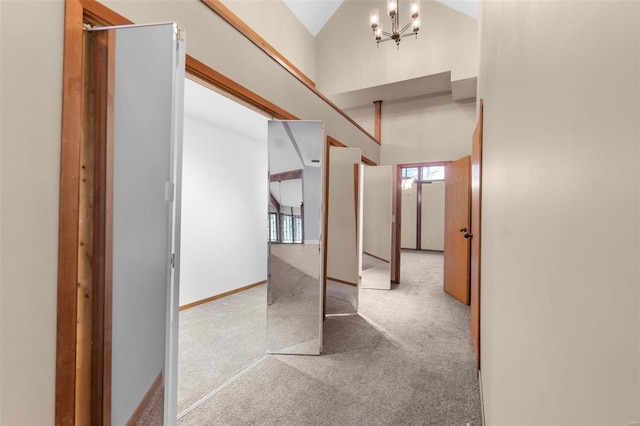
(476, 214)
(457, 228)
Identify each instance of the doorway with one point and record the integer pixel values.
(223, 252)
(436, 218)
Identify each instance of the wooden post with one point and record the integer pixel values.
(378, 121)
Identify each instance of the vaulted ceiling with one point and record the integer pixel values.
(314, 14)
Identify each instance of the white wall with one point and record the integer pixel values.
(279, 27)
(364, 115)
(432, 221)
(30, 109)
(560, 244)
(347, 57)
(426, 129)
(224, 210)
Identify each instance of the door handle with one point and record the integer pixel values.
(468, 235)
(463, 229)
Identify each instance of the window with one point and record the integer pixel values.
(430, 173)
(273, 227)
(297, 229)
(288, 231)
(410, 173)
(286, 222)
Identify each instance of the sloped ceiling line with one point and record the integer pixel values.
(314, 14)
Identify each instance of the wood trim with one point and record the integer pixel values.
(69, 216)
(254, 37)
(397, 229)
(221, 295)
(209, 76)
(86, 247)
(342, 281)
(476, 230)
(423, 250)
(419, 216)
(367, 161)
(290, 175)
(356, 198)
(376, 257)
(233, 20)
(325, 224)
(146, 400)
(335, 142)
(378, 121)
(428, 163)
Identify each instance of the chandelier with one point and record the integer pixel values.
(397, 32)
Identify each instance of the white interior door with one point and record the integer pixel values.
(376, 227)
(143, 166)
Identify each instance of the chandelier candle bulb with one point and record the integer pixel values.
(392, 7)
(374, 18)
(378, 32)
(415, 9)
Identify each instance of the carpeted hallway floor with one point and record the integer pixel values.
(407, 360)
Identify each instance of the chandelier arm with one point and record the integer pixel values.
(383, 40)
(406, 27)
(409, 35)
(386, 34)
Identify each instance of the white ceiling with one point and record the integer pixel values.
(211, 107)
(294, 144)
(314, 14)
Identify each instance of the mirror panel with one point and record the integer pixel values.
(146, 73)
(376, 227)
(294, 286)
(342, 231)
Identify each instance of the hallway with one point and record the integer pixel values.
(407, 360)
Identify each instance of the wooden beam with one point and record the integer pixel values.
(290, 175)
(378, 121)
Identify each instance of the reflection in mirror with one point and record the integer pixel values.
(376, 227)
(342, 231)
(223, 254)
(294, 311)
(140, 176)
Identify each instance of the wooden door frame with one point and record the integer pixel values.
(476, 230)
(397, 229)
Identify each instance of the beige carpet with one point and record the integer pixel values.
(217, 340)
(410, 362)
